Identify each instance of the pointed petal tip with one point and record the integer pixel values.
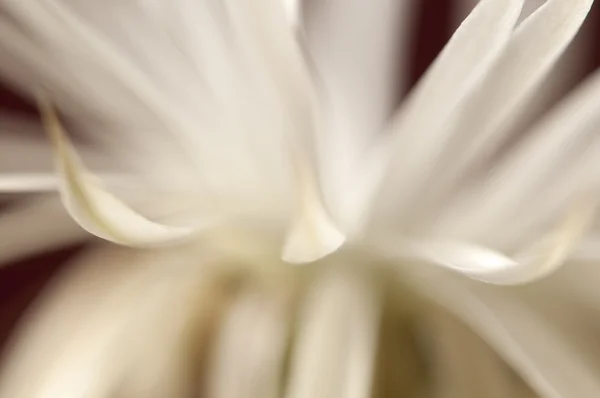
(94, 208)
(308, 243)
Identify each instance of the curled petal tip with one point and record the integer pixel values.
(95, 209)
(313, 236)
(310, 241)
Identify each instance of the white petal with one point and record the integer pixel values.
(101, 324)
(487, 117)
(360, 53)
(17, 183)
(336, 343)
(95, 209)
(457, 70)
(249, 351)
(551, 364)
(169, 75)
(553, 166)
(312, 234)
(28, 182)
(293, 9)
(35, 225)
(542, 258)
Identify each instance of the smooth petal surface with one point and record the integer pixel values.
(552, 170)
(489, 115)
(359, 51)
(336, 343)
(250, 347)
(547, 254)
(165, 78)
(458, 69)
(550, 363)
(104, 325)
(313, 234)
(28, 182)
(93, 207)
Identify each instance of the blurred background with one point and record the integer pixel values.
(432, 23)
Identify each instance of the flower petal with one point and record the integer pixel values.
(484, 264)
(293, 9)
(458, 69)
(312, 234)
(96, 210)
(335, 349)
(550, 363)
(250, 347)
(167, 76)
(551, 168)
(102, 326)
(488, 115)
(359, 54)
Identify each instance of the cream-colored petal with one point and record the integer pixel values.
(96, 210)
(335, 348)
(360, 53)
(549, 362)
(487, 118)
(28, 182)
(553, 168)
(456, 72)
(105, 321)
(167, 76)
(313, 233)
(250, 348)
(535, 261)
(293, 9)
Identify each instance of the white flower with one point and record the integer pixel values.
(236, 143)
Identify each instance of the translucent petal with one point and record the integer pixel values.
(168, 76)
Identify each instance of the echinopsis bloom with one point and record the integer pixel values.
(243, 137)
